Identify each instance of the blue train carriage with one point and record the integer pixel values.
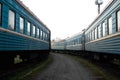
(58, 45)
(74, 43)
(22, 35)
(102, 37)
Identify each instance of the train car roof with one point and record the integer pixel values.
(75, 35)
(27, 9)
(106, 7)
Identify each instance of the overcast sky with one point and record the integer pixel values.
(65, 17)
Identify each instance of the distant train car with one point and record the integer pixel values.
(74, 43)
(71, 44)
(58, 45)
(22, 35)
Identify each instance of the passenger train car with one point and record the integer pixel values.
(74, 43)
(22, 35)
(101, 40)
(103, 35)
(58, 45)
(71, 44)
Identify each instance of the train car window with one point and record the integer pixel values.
(103, 27)
(79, 41)
(11, 22)
(99, 31)
(33, 31)
(44, 35)
(118, 20)
(28, 28)
(41, 33)
(70, 42)
(47, 37)
(93, 35)
(0, 14)
(96, 33)
(38, 32)
(87, 37)
(21, 25)
(75, 42)
(90, 36)
(110, 25)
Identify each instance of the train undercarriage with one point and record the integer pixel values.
(11, 58)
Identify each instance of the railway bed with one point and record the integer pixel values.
(12, 70)
(7, 73)
(110, 68)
